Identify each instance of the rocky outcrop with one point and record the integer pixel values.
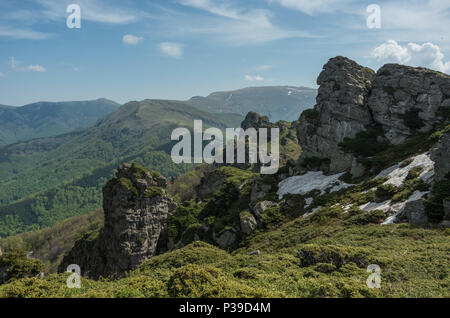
(415, 212)
(441, 156)
(137, 209)
(254, 120)
(259, 189)
(226, 239)
(340, 113)
(405, 100)
(397, 102)
(248, 224)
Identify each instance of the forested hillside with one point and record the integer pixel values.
(45, 119)
(47, 180)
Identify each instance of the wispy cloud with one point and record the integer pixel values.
(91, 10)
(17, 66)
(36, 68)
(236, 25)
(23, 34)
(254, 78)
(131, 39)
(2, 75)
(19, 24)
(171, 49)
(427, 55)
(311, 7)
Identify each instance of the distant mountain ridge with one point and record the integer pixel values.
(46, 180)
(276, 102)
(45, 119)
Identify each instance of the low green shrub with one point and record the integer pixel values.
(17, 265)
(312, 254)
(364, 218)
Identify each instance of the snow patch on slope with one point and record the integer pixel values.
(393, 210)
(397, 174)
(313, 180)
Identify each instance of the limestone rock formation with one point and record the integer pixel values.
(397, 102)
(405, 100)
(137, 209)
(340, 113)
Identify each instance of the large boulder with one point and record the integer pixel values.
(226, 239)
(248, 224)
(406, 100)
(415, 212)
(137, 209)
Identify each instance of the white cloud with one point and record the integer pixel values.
(37, 68)
(16, 66)
(253, 78)
(23, 34)
(171, 49)
(309, 7)
(427, 55)
(131, 39)
(236, 25)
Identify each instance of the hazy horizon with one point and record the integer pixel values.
(177, 49)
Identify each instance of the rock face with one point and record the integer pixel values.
(405, 100)
(441, 157)
(137, 209)
(399, 101)
(340, 113)
(415, 213)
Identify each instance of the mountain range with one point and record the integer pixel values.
(57, 156)
(49, 179)
(364, 211)
(276, 102)
(46, 119)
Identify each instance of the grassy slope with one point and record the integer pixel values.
(336, 248)
(414, 263)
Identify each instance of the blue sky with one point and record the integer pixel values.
(174, 49)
